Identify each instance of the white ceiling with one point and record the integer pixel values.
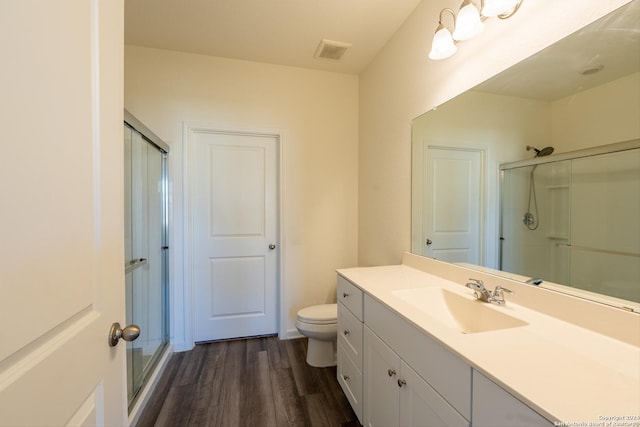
(611, 44)
(284, 32)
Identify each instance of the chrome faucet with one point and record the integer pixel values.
(498, 295)
(483, 294)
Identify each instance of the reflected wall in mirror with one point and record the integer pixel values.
(579, 93)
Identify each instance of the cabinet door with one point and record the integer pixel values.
(421, 405)
(381, 368)
(494, 407)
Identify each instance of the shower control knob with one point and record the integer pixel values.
(128, 333)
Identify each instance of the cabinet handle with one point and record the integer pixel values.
(391, 372)
(401, 382)
(345, 377)
(344, 295)
(346, 332)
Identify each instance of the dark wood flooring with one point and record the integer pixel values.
(257, 382)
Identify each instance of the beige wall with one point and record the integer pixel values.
(603, 115)
(501, 126)
(402, 83)
(317, 114)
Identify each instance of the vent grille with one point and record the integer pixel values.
(328, 49)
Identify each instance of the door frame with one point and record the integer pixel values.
(420, 160)
(189, 129)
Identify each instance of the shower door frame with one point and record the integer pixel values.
(157, 143)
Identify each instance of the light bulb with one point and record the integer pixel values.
(443, 45)
(468, 23)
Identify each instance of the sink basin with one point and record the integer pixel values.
(466, 314)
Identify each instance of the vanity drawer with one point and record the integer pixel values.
(350, 379)
(350, 295)
(350, 335)
(442, 369)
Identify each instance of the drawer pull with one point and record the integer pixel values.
(345, 377)
(344, 295)
(391, 372)
(346, 332)
(401, 382)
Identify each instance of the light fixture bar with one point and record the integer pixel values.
(468, 23)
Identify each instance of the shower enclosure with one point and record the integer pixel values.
(145, 262)
(573, 219)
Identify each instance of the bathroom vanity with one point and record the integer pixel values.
(415, 347)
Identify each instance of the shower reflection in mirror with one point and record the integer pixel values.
(580, 225)
(530, 218)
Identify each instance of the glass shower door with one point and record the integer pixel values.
(145, 235)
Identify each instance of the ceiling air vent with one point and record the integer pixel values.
(328, 49)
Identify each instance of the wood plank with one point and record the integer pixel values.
(257, 402)
(316, 407)
(252, 382)
(304, 375)
(288, 403)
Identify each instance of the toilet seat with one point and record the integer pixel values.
(322, 314)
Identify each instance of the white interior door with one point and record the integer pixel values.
(61, 273)
(234, 216)
(453, 213)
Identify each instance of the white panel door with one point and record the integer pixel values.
(453, 214)
(61, 225)
(234, 217)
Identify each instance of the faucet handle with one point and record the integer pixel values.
(475, 283)
(498, 295)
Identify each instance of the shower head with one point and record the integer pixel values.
(539, 153)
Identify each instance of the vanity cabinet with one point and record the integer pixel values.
(409, 379)
(395, 395)
(495, 407)
(395, 374)
(350, 342)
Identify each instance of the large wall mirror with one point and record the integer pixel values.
(535, 173)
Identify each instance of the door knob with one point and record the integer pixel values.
(128, 333)
(429, 242)
(272, 246)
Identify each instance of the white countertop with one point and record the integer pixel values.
(565, 372)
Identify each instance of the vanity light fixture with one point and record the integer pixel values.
(468, 24)
(443, 45)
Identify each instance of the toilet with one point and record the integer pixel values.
(319, 323)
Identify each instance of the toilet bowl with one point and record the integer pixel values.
(319, 323)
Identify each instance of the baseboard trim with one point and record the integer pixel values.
(293, 334)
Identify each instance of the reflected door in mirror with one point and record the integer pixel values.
(453, 204)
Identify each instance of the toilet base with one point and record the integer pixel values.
(321, 353)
